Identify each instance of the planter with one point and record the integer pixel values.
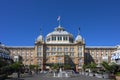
(117, 77)
(98, 75)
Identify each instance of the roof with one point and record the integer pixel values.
(59, 31)
(100, 47)
(20, 46)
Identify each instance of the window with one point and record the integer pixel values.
(39, 54)
(48, 49)
(39, 48)
(80, 62)
(80, 49)
(27, 54)
(31, 55)
(59, 58)
(52, 58)
(39, 61)
(53, 38)
(97, 54)
(48, 39)
(80, 54)
(66, 53)
(59, 53)
(47, 54)
(92, 54)
(59, 49)
(71, 54)
(22, 54)
(53, 49)
(106, 53)
(65, 38)
(52, 54)
(65, 49)
(71, 49)
(102, 53)
(60, 38)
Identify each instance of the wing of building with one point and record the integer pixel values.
(61, 48)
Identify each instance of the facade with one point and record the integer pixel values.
(4, 55)
(98, 54)
(115, 57)
(26, 52)
(61, 48)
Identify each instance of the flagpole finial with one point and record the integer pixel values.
(58, 19)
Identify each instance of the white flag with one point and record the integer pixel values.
(58, 19)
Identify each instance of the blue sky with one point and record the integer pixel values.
(21, 20)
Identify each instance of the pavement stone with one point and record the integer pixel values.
(50, 77)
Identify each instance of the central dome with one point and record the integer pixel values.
(59, 31)
(59, 35)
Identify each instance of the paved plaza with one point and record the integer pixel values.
(50, 77)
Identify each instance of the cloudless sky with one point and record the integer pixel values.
(21, 20)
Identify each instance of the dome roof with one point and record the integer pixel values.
(40, 38)
(59, 31)
(78, 38)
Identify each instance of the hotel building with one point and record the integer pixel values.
(61, 48)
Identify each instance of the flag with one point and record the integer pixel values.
(58, 19)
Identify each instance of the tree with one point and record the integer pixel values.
(18, 67)
(32, 67)
(110, 68)
(84, 67)
(92, 66)
(67, 66)
(2, 62)
(54, 66)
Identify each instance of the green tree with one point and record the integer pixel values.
(106, 66)
(17, 66)
(3, 62)
(92, 66)
(55, 66)
(67, 66)
(110, 68)
(84, 67)
(32, 67)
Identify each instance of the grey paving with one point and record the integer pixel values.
(50, 77)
